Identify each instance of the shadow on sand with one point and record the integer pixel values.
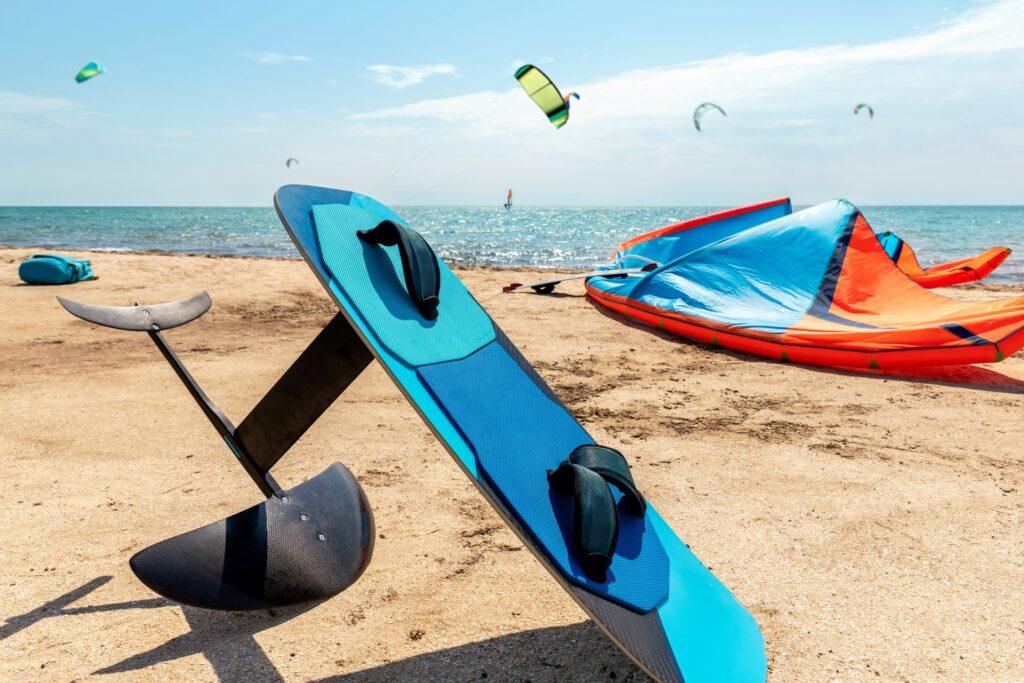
(579, 652)
(961, 376)
(550, 295)
(226, 640)
(58, 607)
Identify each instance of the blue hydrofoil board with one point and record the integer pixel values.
(507, 430)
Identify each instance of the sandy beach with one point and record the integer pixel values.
(872, 523)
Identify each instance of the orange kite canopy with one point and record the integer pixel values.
(945, 274)
(812, 287)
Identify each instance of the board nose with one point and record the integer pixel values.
(305, 544)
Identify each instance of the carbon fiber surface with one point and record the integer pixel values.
(308, 543)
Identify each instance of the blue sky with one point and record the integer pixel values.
(414, 102)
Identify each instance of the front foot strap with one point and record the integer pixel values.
(586, 475)
(613, 468)
(419, 264)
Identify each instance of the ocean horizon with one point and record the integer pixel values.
(534, 236)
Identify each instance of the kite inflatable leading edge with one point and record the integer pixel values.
(545, 94)
(812, 287)
(944, 274)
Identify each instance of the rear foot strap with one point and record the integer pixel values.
(586, 475)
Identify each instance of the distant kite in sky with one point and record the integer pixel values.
(702, 109)
(871, 112)
(571, 95)
(291, 161)
(90, 70)
(545, 94)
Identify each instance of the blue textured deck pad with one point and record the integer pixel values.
(518, 434)
(372, 278)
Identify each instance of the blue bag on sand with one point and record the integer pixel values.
(54, 269)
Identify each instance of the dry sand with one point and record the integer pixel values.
(873, 524)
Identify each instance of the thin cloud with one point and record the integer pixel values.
(385, 131)
(22, 115)
(253, 130)
(401, 77)
(150, 137)
(945, 99)
(516, 63)
(759, 82)
(274, 57)
(21, 104)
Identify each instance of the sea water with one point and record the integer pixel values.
(546, 237)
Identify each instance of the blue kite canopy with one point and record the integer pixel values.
(816, 286)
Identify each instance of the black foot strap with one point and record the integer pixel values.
(586, 475)
(419, 264)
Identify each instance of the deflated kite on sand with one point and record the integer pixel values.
(813, 287)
